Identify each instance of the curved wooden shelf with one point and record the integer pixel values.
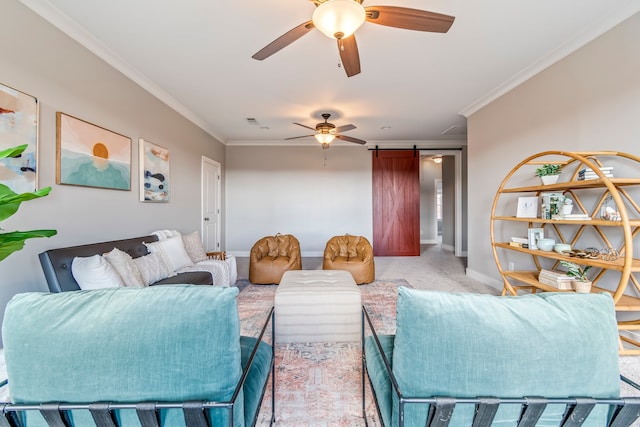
(584, 193)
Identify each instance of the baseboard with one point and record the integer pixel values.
(428, 242)
(497, 284)
(448, 247)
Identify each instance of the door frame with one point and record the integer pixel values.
(457, 154)
(211, 162)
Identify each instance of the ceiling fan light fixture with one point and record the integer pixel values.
(324, 138)
(339, 19)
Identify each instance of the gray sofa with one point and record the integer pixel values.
(56, 263)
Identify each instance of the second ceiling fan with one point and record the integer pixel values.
(339, 19)
(326, 132)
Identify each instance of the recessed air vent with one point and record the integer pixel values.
(252, 121)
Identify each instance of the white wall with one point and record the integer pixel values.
(588, 101)
(295, 190)
(43, 62)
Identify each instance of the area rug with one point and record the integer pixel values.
(319, 384)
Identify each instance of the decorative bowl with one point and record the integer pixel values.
(561, 247)
(546, 244)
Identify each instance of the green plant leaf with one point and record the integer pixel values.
(14, 241)
(10, 201)
(13, 152)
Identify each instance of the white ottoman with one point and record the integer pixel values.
(317, 306)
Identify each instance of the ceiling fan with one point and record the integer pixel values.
(326, 132)
(339, 19)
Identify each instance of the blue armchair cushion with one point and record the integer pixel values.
(256, 378)
(168, 343)
(378, 373)
(471, 345)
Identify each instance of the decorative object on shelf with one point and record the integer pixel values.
(609, 254)
(608, 210)
(557, 279)
(527, 207)
(19, 125)
(567, 206)
(588, 173)
(550, 204)
(154, 172)
(581, 282)
(9, 203)
(534, 235)
(91, 156)
(546, 244)
(549, 173)
(562, 248)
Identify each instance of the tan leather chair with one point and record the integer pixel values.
(271, 256)
(351, 253)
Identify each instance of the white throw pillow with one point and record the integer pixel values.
(94, 272)
(152, 268)
(124, 265)
(172, 251)
(193, 246)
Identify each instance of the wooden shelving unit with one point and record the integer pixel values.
(619, 277)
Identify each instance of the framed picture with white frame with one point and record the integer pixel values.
(534, 235)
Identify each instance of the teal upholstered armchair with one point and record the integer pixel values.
(548, 359)
(158, 356)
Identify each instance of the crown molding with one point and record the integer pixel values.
(58, 19)
(564, 50)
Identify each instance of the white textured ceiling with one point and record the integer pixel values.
(196, 56)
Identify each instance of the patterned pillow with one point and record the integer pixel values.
(126, 268)
(193, 246)
(152, 268)
(172, 252)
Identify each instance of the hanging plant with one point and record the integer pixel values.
(10, 201)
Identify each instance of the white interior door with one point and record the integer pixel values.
(211, 211)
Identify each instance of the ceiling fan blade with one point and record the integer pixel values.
(284, 40)
(297, 137)
(351, 139)
(345, 128)
(349, 56)
(304, 126)
(409, 19)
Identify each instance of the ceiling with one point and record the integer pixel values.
(195, 55)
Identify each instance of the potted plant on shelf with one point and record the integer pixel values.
(549, 173)
(581, 282)
(9, 203)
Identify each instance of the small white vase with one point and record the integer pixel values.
(549, 179)
(582, 287)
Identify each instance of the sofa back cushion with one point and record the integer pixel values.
(168, 343)
(472, 345)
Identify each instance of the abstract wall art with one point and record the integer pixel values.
(154, 172)
(19, 126)
(91, 156)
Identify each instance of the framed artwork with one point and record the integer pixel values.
(154, 172)
(19, 126)
(534, 235)
(527, 207)
(91, 156)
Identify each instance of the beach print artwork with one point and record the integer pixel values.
(154, 170)
(91, 156)
(18, 126)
